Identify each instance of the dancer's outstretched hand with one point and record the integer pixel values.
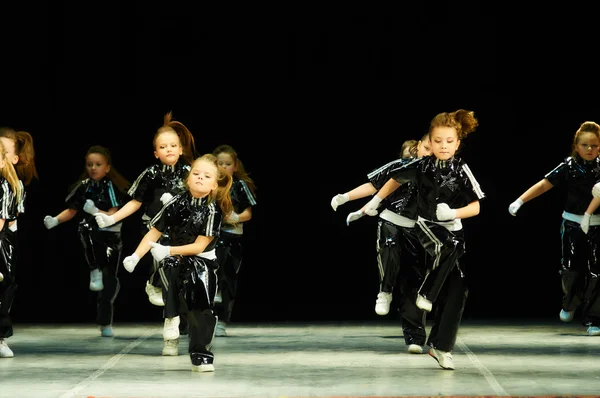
(355, 215)
(159, 252)
(104, 220)
(130, 262)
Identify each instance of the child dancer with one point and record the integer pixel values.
(191, 221)
(396, 235)
(229, 246)
(20, 153)
(11, 189)
(94, 193)
(174, 149)
(579, 267)
(447, 192)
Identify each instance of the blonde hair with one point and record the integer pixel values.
(10, 174)
(224, 181)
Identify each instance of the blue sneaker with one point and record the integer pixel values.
(566, 316)
(106, 331)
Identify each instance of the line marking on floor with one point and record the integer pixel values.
(482, 369)
(109, 364)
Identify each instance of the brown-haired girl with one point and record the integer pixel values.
(100, 189)
(447, 192)
(579, 268)
(190, 223)
(230, 243)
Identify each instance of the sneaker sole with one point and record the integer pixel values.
(415, 349)
(203, 368)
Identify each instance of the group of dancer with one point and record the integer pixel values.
(194, 210)
(421, 199)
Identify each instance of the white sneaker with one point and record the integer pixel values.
(221, 330)
(415, 349)
(566, 316)
(154, 294)
(170, 349)
(382, 304)
(5, 351)
(96, 280)
(106, 331)
(444, 358)
(171, 328)
(423, 303)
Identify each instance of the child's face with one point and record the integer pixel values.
(168, 148)
(588, 146)
(9, 146)
(424, 148)
(226, 163)
(96, 166)
(202, 179)
(444, 142)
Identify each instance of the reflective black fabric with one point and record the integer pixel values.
(8, 240)
(449, 182)
(185, 218)
(578, 176)
(241, 197)
(403, 200)
(156, 180)
(103, 193)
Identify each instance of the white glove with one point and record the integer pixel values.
(165, 198)
(1, 276)
(130, 262)
(13, 227)
(50, 222)
(159, 252)
(585, 222)
(444, 212)
(90, 207)
(355, 215)
(515, 206)
(104, 220)
(596, 190)
(339, 200)
(372, 205)
(233, 218)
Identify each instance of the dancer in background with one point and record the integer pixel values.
(174, 149)
(100, 189)
(579, 268)
(396, 236)
(230, 243)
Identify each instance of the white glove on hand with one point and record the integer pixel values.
(233, 218)
(515, 206)
(585, 223)
(355, 215)
(444, 212)
(165, 198)
(90, 207)
(13, 227)
(596, 190)
(159, 252)
(339, 200)
(130, 262)
(372, 205)
(50, 222)
(104, 220)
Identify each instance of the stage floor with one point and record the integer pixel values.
(354, 359)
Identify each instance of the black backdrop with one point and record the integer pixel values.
(312, 103)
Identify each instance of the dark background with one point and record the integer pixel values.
(312, 101)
